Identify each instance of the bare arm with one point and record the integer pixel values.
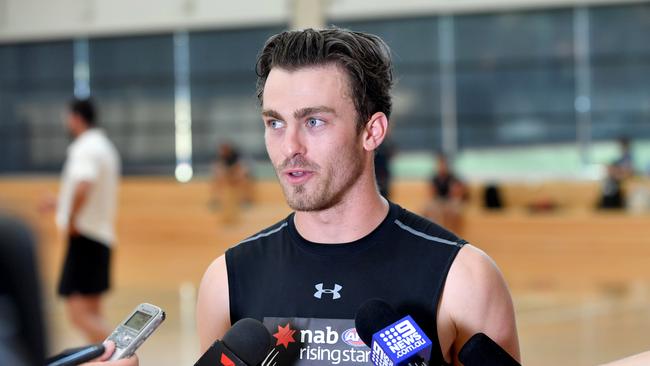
(476, 299)
(213, 304)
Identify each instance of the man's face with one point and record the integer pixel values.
(311, 135)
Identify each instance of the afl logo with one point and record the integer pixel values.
(351, 337)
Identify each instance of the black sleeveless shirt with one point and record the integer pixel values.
(290, 283)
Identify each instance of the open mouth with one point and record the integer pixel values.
(298, 176)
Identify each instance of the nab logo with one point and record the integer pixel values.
(334, 292)
(225, 361)
(285, 335)
(351, 338)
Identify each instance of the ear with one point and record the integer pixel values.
(375, 131)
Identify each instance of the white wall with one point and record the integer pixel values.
(353, 9)
(51, 19)
(47, 19)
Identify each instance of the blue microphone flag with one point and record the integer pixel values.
(400, 342)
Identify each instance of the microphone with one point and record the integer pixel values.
(393, 340)
(481, 350)
(245, 344)
(76, 356)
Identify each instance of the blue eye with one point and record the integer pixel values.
(275, 124)
(314, 122)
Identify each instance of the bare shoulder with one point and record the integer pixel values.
(213, 304)
(476, 299)
(473, 268)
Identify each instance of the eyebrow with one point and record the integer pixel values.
(271, 113)
(300, 113)
(304, 112)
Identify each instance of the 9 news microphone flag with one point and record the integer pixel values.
(401, 343)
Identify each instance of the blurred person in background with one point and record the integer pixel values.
(232, 186)
(624, 165)
(22, 336)
(22, 331)
(621, 169)
(85, 214)
(448, 194)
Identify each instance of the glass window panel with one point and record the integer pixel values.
(132, 81)
(416, 95)
(224, 104)
(515, 78)
(620, 71)
(36, 83)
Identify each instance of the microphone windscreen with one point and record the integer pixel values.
(373, 316)
(483, 351)
(249, 340)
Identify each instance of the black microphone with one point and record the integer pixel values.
(76, 356)
(481, 350)
(373, 317)
(245, 344)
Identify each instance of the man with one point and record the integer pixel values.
(448, 195)
(86, 214)
(625, 163)
(325, 98)
(232, 185)
(613, 192)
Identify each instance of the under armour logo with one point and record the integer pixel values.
(335, 292)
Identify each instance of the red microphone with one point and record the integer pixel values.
(245, 344)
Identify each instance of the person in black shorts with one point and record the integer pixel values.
(86, 267)
(85, 214)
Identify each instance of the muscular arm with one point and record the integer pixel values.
(213, 304)
(476, 299)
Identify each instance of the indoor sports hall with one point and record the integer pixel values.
(539, 109)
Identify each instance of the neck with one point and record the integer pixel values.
(360, 211)
(81, 130)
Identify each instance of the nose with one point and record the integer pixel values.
(293, 142)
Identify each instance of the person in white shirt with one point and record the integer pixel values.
(85, 215)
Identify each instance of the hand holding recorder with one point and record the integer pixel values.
(119, 348)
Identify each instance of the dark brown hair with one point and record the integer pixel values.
(84, 108)
(364, 57)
